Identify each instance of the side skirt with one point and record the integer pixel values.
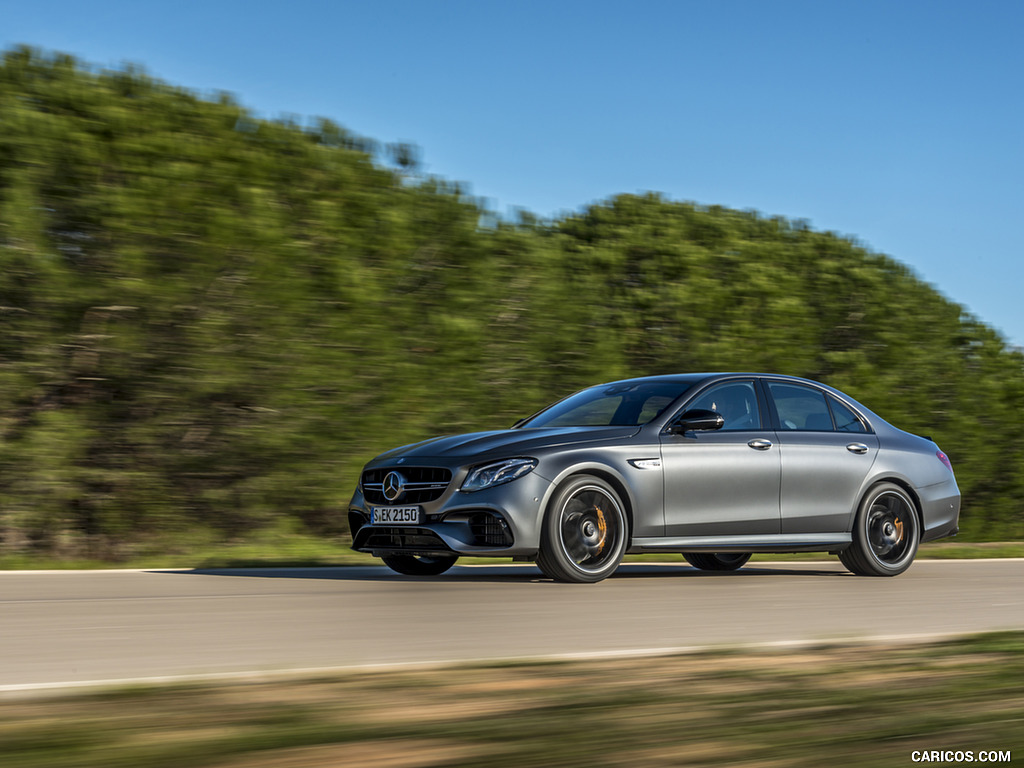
(800, 542)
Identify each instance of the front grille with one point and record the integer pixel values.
(422, 484)
(406, 540)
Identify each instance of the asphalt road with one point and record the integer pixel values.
(71, 627)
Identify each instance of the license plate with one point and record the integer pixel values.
(396, 515)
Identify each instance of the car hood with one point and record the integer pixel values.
(507, 442)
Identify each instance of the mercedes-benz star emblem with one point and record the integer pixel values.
(394, 485)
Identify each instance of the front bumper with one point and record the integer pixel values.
(500, 521)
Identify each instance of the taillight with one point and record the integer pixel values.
(944, 459)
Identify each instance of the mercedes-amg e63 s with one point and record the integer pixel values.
(714, 466)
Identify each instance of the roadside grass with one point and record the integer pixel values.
(281, 548)
(861, 705)
(938, 550)
(275, 547)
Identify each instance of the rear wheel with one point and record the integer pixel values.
(419, 565)
(585, 531)
(717, 561)
(886, 533)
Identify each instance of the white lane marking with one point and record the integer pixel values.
(398, 666)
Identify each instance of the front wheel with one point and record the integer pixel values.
(419, 565)
(585, 532)
(886, 533)
(716, 561)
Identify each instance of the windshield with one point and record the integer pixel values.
(627, 404)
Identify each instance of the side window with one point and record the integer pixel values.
(800, 407)
(846, 420)
(736, 401)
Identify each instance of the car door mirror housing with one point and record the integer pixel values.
(697, 419)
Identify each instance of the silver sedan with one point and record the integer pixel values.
(713, 466)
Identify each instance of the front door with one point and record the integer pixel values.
(727, 481)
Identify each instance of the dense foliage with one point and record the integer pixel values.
(210, 321)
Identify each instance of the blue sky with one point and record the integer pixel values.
(898, 123)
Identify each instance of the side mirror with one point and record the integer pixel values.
(697, 419)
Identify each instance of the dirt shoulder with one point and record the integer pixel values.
(865, 704)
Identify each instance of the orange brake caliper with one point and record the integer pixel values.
(602, 526)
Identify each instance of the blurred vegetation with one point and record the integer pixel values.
(871, 705)
(210, 321)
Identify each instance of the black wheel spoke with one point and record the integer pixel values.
(573, 544)
(590, 529)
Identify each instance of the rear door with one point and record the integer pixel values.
(826, 451)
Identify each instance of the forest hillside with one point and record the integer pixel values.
(210, 320)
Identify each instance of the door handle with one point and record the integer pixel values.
(857, 448)
(760, 444)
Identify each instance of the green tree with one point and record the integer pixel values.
(211, 321)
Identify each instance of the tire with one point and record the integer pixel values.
(886, 532)
(585, 532)
(847, 559)
(419, 565)
(717, 561)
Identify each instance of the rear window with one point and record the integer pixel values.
(846, 420)
(800, 407)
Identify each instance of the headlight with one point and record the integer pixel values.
(497, 473)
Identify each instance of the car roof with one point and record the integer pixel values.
(693, 378)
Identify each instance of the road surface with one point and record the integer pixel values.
(77, 627)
